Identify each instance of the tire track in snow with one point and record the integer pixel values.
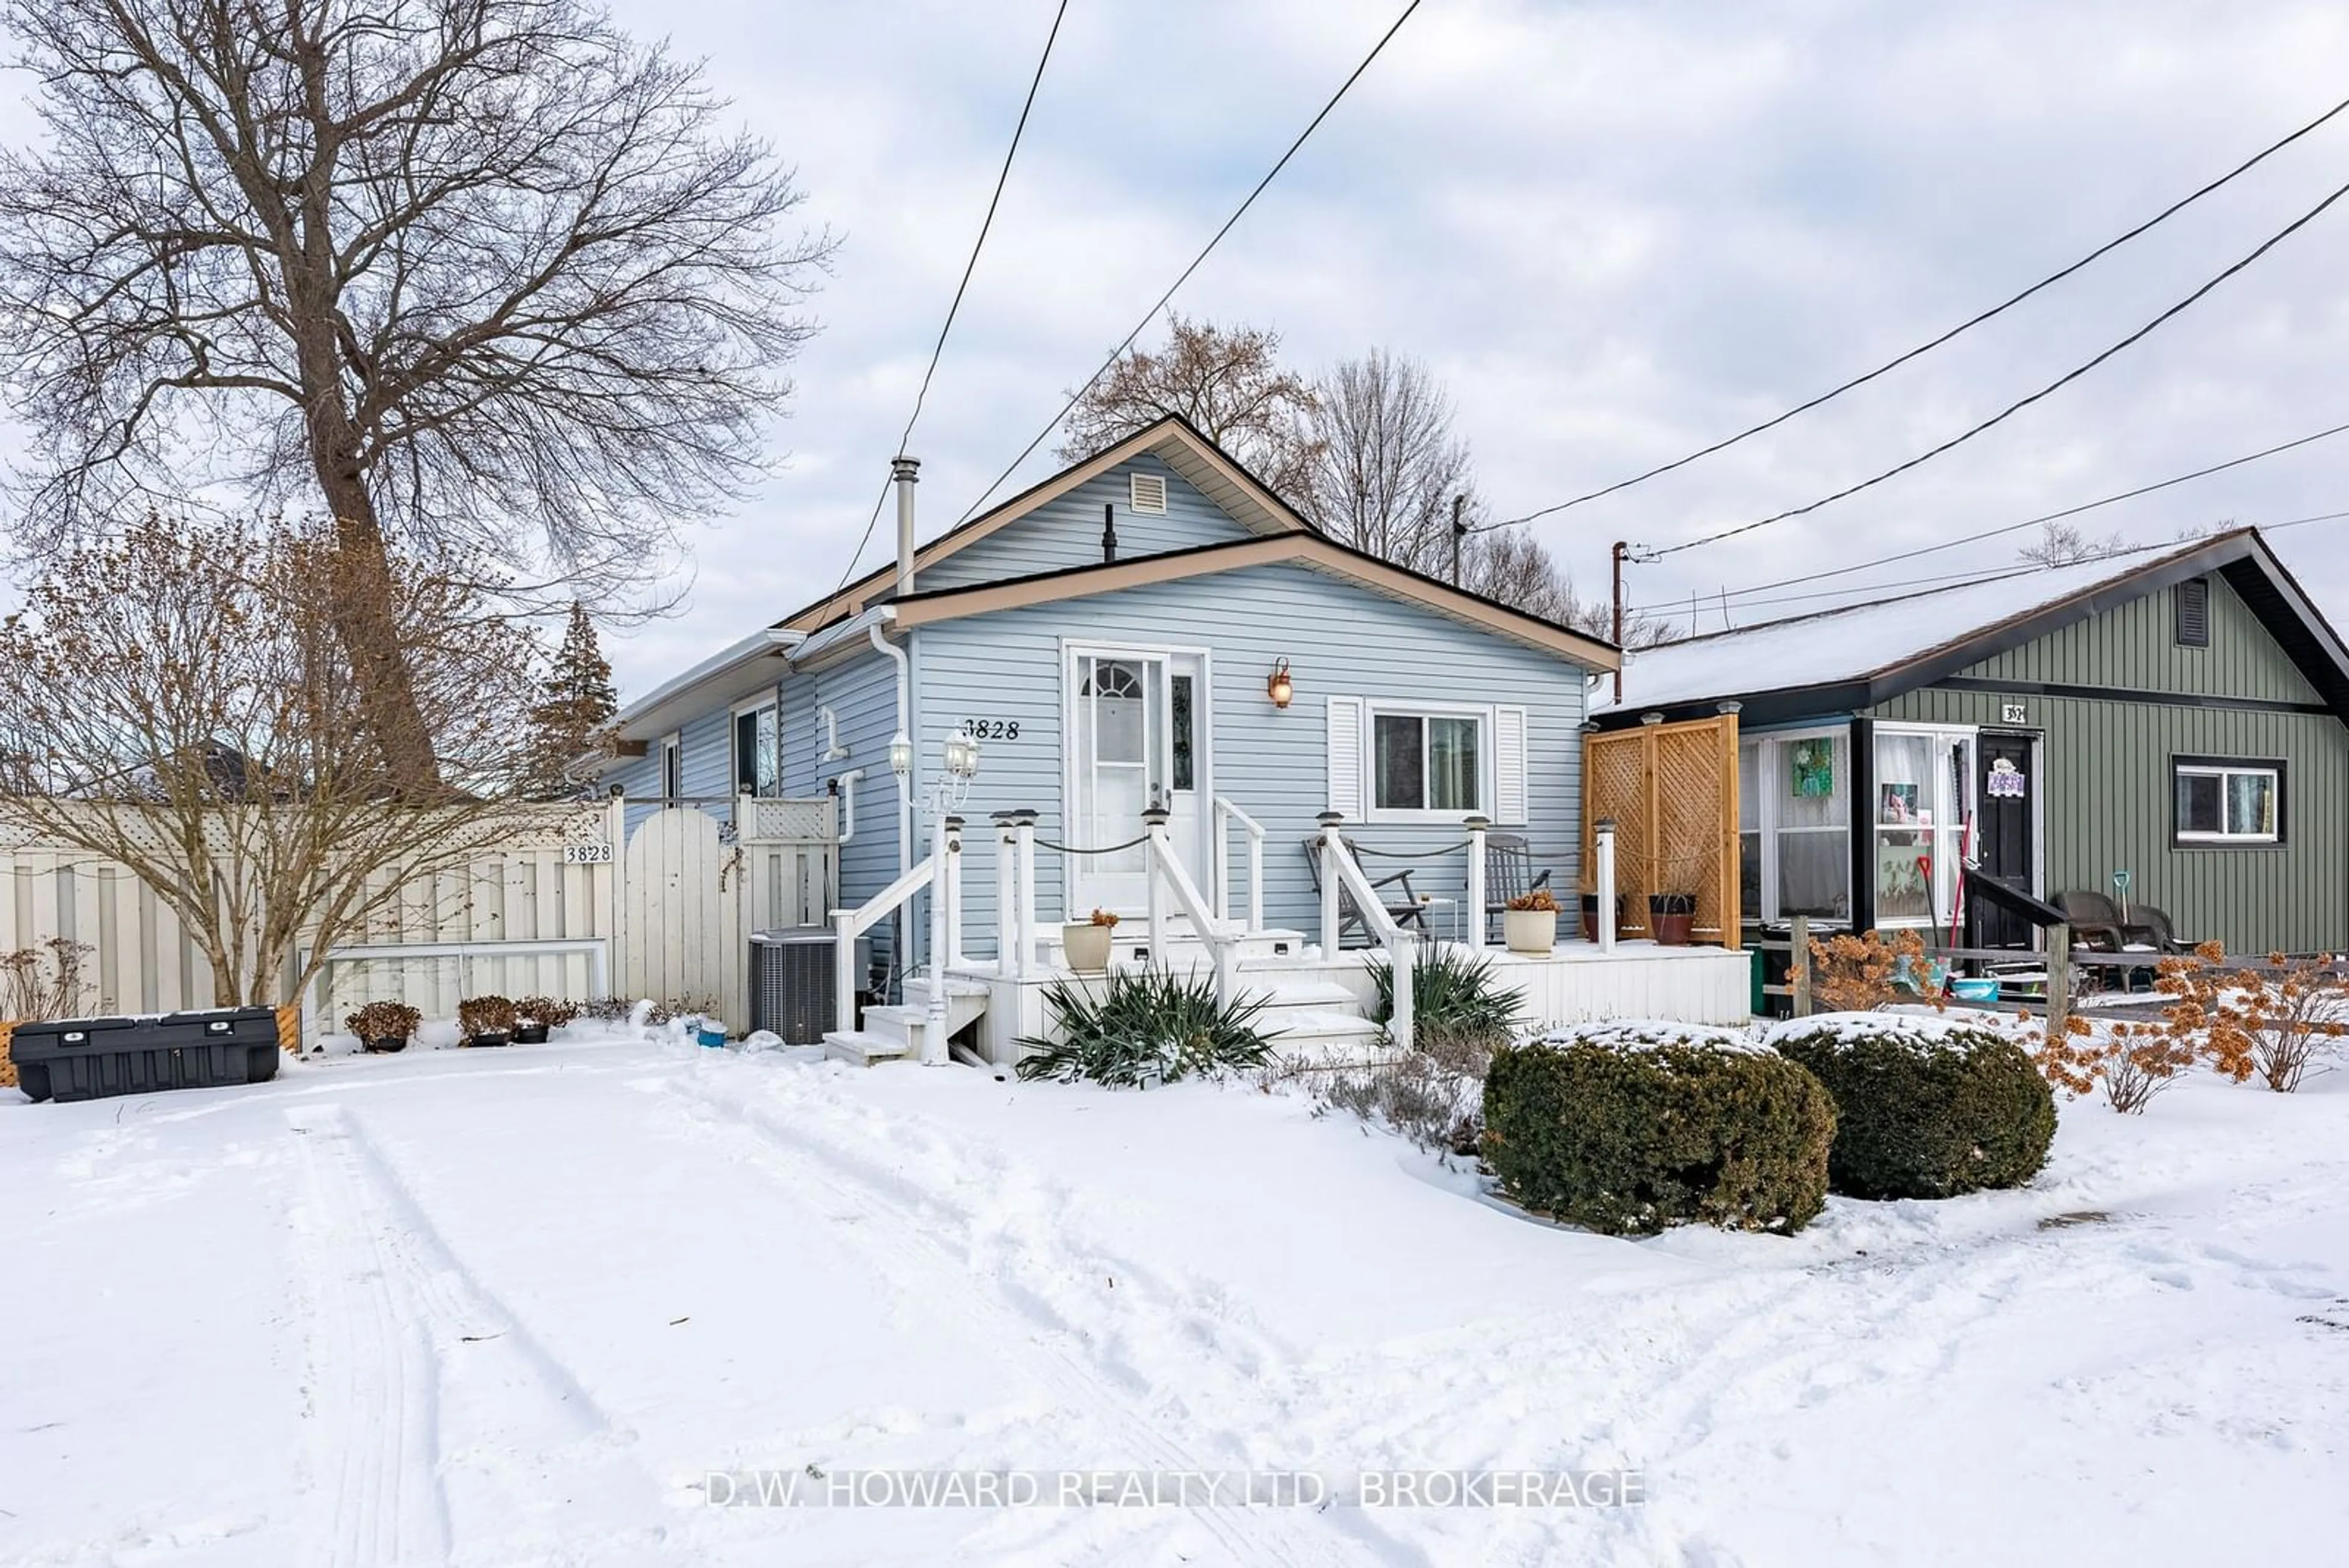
(441, 1408)
(373, 1371)
(897, 1231)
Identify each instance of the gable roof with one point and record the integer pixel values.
(1860, 655)
(1174, 440)
(1311, 549)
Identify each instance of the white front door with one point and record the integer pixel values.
(1137, 738)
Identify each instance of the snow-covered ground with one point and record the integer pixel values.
(513, 1307)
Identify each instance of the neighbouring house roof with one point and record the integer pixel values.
(1312, 550)
(1174, 440)
(1841, 659)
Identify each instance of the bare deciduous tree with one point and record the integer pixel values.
(1228, 383)
(1384, 464)
(184, 707)
(2060, 544)
(485, 275)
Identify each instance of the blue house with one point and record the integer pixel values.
(1149, 628)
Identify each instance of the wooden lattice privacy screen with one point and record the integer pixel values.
(1671, 790)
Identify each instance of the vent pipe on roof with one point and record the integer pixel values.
(905, 472)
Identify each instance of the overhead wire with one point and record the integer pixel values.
(1003, 176)
(1206, 251)
(1929, 345)
(2018, 404)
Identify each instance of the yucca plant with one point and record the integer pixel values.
(1145, 1026)
(1452, 991)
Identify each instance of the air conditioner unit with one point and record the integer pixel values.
(793, 981)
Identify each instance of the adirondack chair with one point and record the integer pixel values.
(1404, 910)
(1508, 873)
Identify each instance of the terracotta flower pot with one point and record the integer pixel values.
(1591, 917)
(1533, 931)
(1087, 947)
(1672, 918)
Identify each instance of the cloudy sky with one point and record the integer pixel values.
(1615, 231)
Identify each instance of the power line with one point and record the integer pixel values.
(2044, 518)
(1958, 579)
(1966, 326)
(1237, 214)
(2021, 403)
(1003, 176)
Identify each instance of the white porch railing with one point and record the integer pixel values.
(1341, 872)
(1167, 872)
(847, 925)
(1225, 815)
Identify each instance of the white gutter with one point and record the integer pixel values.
(758, 644)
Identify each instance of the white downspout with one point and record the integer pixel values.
(845, 784)
(905, 710)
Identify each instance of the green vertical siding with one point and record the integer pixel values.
(2135, 646)
(2105, 780)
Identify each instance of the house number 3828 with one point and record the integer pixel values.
(991, 729)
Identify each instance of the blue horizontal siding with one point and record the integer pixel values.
(1067, 532)
(1339, 638)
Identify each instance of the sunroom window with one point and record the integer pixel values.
(1795, 824)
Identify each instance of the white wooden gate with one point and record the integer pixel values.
(681, 933)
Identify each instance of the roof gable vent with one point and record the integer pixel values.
(1148, 493)
(2192, 598)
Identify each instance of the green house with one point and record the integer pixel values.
(2169, 729)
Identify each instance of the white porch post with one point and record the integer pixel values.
(843, 970)
(1402, 959)
(1008, 960)
(1255, 881)
(1603, 831)
(1475, 912)
(934, 1031)
(1153, 823)
(1330, 821)
(951, 869)
(1023, 828)
(1222, 862)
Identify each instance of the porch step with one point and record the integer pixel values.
(863, 1048)
(967, 1000)
(1288, 993)
(1325, 1036)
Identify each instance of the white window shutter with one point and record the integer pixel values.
(1346, 756)
(1510, 804)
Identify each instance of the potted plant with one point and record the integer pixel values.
(1672, 918)
(536, 1016)
(1086, 943)
(1529, 922)
(1590, 915)
(384, 1026)
(486, 1019)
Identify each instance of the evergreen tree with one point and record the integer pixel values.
(575, 709)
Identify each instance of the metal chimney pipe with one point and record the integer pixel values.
(906, 472)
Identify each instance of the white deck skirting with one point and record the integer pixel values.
(1577, 983)
(1574, 984)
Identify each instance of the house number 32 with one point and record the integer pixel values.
(991, 729)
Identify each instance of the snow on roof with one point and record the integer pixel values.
(1857, 641)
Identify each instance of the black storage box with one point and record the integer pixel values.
(85, 1058)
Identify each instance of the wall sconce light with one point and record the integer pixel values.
(1279, 688)
(901, 755)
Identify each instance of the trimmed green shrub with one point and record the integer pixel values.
(1925, 1107)
(1145, 1024)
(1627, 1129)
(1452, 990)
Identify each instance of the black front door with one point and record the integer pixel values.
(2003, 835)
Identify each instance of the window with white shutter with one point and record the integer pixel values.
(1511, 804)
(1345, 722)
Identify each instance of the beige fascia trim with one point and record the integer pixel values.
(1310, 549)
